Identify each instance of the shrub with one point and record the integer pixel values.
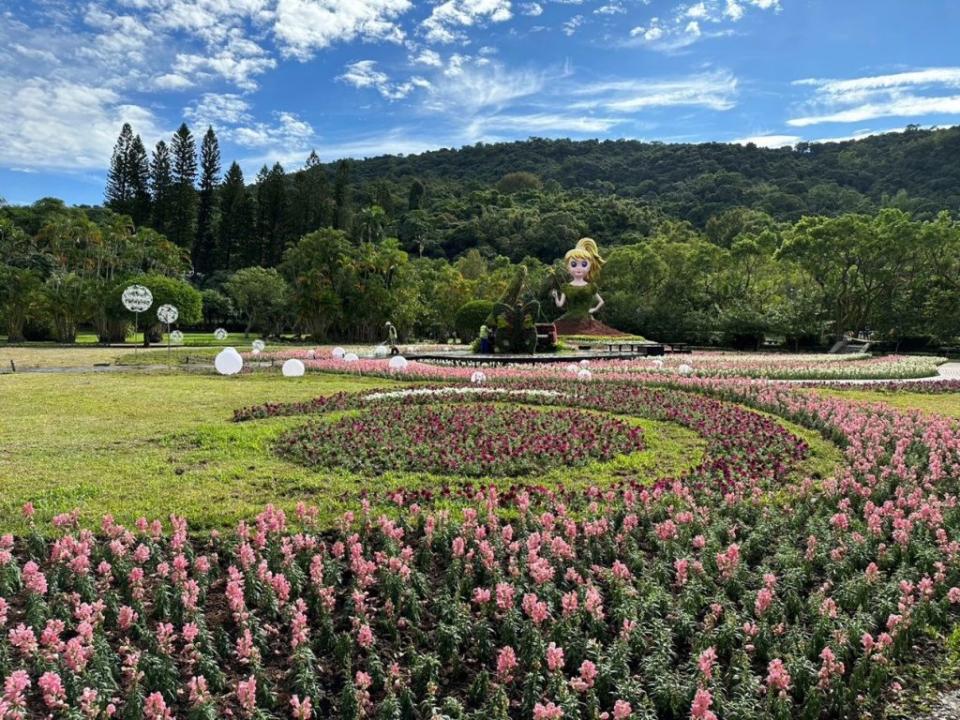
(470, 317)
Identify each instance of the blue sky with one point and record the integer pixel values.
(356, 78)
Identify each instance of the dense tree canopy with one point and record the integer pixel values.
(704, 242)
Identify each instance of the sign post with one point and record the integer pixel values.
(136, 299)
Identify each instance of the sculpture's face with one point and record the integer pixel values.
(578, 267)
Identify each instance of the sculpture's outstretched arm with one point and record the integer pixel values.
(598, 305)
(559, 299)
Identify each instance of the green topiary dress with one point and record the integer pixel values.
(580, 298)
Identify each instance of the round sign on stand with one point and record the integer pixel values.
(228, 361)
(293, 368)
(168, 314)
(136, 299)
(220, 334)
(258, 346)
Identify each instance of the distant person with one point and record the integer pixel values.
(484, 340)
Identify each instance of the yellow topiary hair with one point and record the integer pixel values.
(587, 249)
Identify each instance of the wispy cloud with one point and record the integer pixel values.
(914, 93)
(715, 90)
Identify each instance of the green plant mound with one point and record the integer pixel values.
(477, 439)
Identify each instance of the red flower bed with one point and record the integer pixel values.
(463, 439)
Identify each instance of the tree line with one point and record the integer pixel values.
(333, 251)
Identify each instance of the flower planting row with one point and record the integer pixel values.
(768, 366)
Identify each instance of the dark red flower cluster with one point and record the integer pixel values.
(476, 439)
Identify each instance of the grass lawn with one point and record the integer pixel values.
(947, 404)
(156, 444)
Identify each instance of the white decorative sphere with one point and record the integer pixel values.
(684, 369)
(338, 353)
(658, 364)
(167, 314)
(398, 363)
(311, 354)
(478, 377)
(220, 334)
(584, 363)
(258, 345)
(350, 357)
(137, 298)
(584, 375)
(294, 368)
(572, 369)
(228, 361)
(381, 351)
(176, 337)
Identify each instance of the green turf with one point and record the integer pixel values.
(947, 404)
(134, 444)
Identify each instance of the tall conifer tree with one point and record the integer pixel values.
(272, 214)
(184, 211)
(235, 233)
(138, 168)
(161, 188)
(204, 249)
(118, 195)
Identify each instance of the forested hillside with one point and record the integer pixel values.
(917, 170)
(704, 242)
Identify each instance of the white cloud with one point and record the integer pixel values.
(428, 57)
(913, 93)
(690, 22)
(219, 110)
(447, 19)
(905, 106)
(364, 74)
(54, 124)
(949, 76)
(532, 9)
(288, 133)
(714, 90)
(239, 62)
(468, 85)
(304, 26)
(770, 141)
(571, 25)
(733, 10)
(172, 81)
(542, 122)
(36, 54)
(614, 8)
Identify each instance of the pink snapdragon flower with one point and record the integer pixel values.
(506, 664)
(554, 657)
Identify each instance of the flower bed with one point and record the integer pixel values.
(739, 591)
(762, 366)
(473, 440)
